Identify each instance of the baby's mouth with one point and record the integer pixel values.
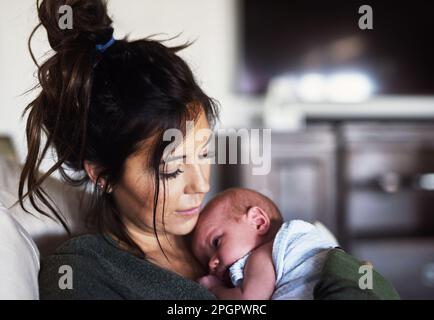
(221, 272)
(224, 276)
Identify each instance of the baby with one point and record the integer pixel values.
(252, 254)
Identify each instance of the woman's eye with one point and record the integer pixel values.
(207, 154)
(171, 175)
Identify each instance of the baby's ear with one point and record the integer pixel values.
(259, 218)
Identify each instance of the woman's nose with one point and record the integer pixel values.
(199, 179)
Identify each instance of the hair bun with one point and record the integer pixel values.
(90, 24)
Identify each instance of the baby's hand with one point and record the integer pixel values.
(209, 281)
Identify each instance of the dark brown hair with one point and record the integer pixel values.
(101, 107)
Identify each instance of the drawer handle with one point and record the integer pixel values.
(390, 182)
(425, 181)
(428, 274)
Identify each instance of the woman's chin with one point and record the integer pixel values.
(184, 226)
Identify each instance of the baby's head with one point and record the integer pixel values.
(231, 225)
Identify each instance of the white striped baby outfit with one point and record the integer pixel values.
(299, 253)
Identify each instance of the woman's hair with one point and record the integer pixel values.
(102, 107)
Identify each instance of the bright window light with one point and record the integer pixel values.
(316, 87)
(311, 87)
(348, 87)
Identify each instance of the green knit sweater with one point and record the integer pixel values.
(340, 280)
(101, 270)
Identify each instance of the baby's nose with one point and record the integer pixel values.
(213, 263)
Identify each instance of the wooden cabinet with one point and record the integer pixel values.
(302, 176)
(371, 183)
(389, 179)
(388, 201)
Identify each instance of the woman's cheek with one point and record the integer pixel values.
(173, 189)
(207, 171)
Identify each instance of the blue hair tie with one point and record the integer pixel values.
(103, 47)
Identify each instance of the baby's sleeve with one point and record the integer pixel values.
(236, 271)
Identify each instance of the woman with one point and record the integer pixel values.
(104, 106)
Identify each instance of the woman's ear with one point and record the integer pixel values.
(92, 171)
(259, 218)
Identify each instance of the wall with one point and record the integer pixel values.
(212, 23)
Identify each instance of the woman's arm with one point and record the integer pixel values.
(340, 280)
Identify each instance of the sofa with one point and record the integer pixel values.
(25, 237)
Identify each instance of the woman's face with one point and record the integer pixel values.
(185, 174)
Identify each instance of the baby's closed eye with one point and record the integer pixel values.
(215, 242)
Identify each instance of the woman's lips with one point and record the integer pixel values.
(190, 211)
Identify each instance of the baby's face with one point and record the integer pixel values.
(219, 240)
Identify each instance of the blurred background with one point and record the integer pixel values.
(351, 109)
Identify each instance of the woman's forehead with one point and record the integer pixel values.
(198, 132)
(198, 135)
(198, 128)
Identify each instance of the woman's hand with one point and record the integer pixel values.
(217, 287)
(210, 281)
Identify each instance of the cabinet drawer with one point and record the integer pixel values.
(377, 213)
(378, 168)
(375, 151)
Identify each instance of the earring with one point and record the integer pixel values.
(99, 186)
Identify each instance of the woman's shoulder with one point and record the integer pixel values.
(86, 244)
(101, 270)
(73, 269)
(84, 251)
